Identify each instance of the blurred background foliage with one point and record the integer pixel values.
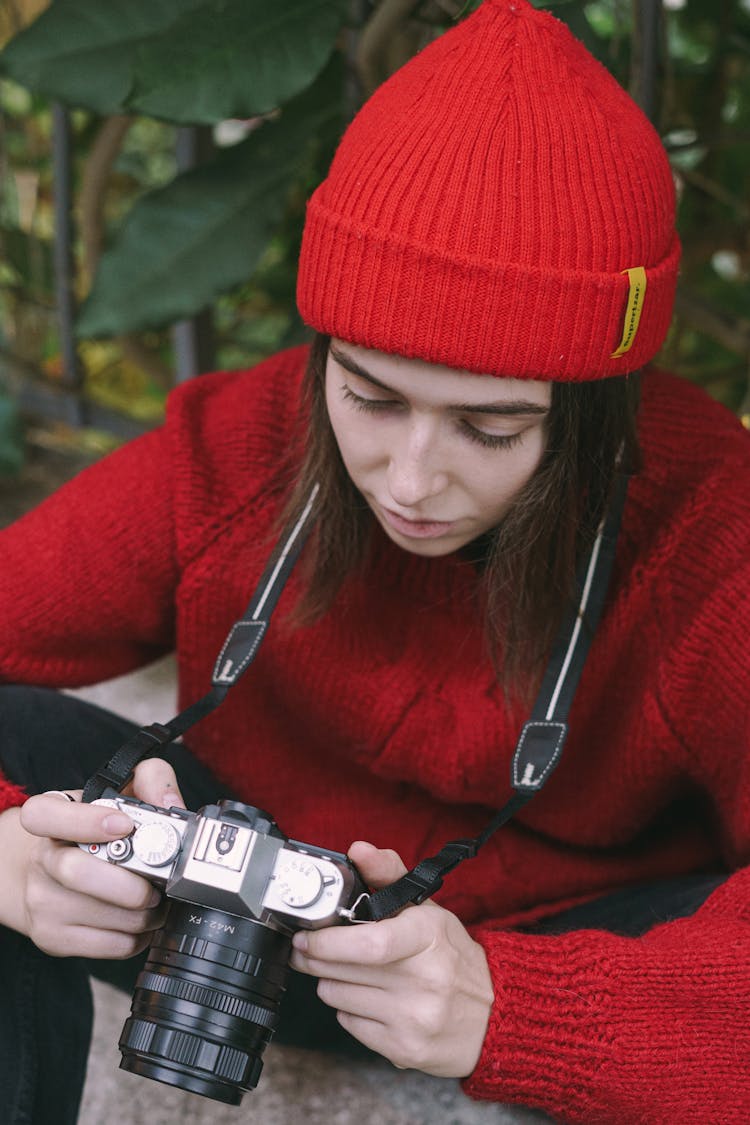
(270, 87)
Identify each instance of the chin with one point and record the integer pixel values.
(427, 548)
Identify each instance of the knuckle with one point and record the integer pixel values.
(435, 974)
(408, 1052)
(430, 1014)
(394, 859)
(323, 990)
(64, 864)
(32, 814)
(40, 936)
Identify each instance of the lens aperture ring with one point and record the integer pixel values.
(193, 993)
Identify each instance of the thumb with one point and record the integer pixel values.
(377, 866)
(155, 782)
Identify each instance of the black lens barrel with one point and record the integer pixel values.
(206, 1004)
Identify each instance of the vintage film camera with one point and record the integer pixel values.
(206, 1003)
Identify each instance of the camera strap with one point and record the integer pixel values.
(236, 656)
(539, 745)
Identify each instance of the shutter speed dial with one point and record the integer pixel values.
(156, 843)
(299, 883)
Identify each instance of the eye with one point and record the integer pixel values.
(491, 441)
(359, 402)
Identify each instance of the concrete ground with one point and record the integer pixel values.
(296, 1085)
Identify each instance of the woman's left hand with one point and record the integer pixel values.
(415, 988)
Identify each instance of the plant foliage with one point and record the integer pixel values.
(225, 234)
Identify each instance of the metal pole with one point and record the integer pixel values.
(193, 339)
(647, 56)
(72, 371)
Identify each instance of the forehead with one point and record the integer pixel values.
(437, 384)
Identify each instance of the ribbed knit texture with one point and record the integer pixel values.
(382, 722)
(484, 203)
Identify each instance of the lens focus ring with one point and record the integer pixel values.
(193, 993)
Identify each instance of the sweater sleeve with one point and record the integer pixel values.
(87, 579)
(597, 1028)
(601, 1029)
(606, 1030)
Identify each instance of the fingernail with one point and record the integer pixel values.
(117, 824)
(172, 800)
(155, 899)
(299, 941)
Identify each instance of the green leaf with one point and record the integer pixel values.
(30, 259)
(206, 231)
(187, 61)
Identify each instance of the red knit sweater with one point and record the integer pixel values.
(383, 722)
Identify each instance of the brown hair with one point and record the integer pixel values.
(527, 565)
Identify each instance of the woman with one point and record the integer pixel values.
(488, 265)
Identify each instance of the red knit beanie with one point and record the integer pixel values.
(499, 205)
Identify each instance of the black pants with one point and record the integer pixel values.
(50, 741)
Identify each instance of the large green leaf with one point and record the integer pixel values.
(206, 231)
(188, 61)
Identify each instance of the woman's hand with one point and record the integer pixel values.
(415, 988)
(72, 903)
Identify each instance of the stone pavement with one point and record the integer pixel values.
(296, 1086)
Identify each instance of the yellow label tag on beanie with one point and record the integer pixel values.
(637, 279)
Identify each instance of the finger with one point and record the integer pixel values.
(155, 782)
(366, 975)
(370, 1033)
(377, 943)
(378, 866)
(47, 814)
(101, 945)
(357, 1000)
(62, 907)
(74, 870)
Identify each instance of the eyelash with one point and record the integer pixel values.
(487, 441)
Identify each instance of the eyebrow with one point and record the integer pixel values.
(516, 406)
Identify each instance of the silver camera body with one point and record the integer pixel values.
(233, 857)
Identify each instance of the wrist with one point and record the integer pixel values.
(15, 847)
(482, 998)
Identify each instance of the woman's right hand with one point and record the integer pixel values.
(73, 905)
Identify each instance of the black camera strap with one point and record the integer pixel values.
(537, 751)
(237, 654)
(540, 744)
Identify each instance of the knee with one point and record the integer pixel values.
(36, 747)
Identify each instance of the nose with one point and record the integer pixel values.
(416, 469)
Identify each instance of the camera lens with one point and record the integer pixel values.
(206, 1003)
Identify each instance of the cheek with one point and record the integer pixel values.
(496, 485)
(352, 437)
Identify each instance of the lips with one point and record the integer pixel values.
(416, 529)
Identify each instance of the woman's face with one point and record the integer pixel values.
(439, 455)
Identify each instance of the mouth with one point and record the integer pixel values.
(416, 529)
